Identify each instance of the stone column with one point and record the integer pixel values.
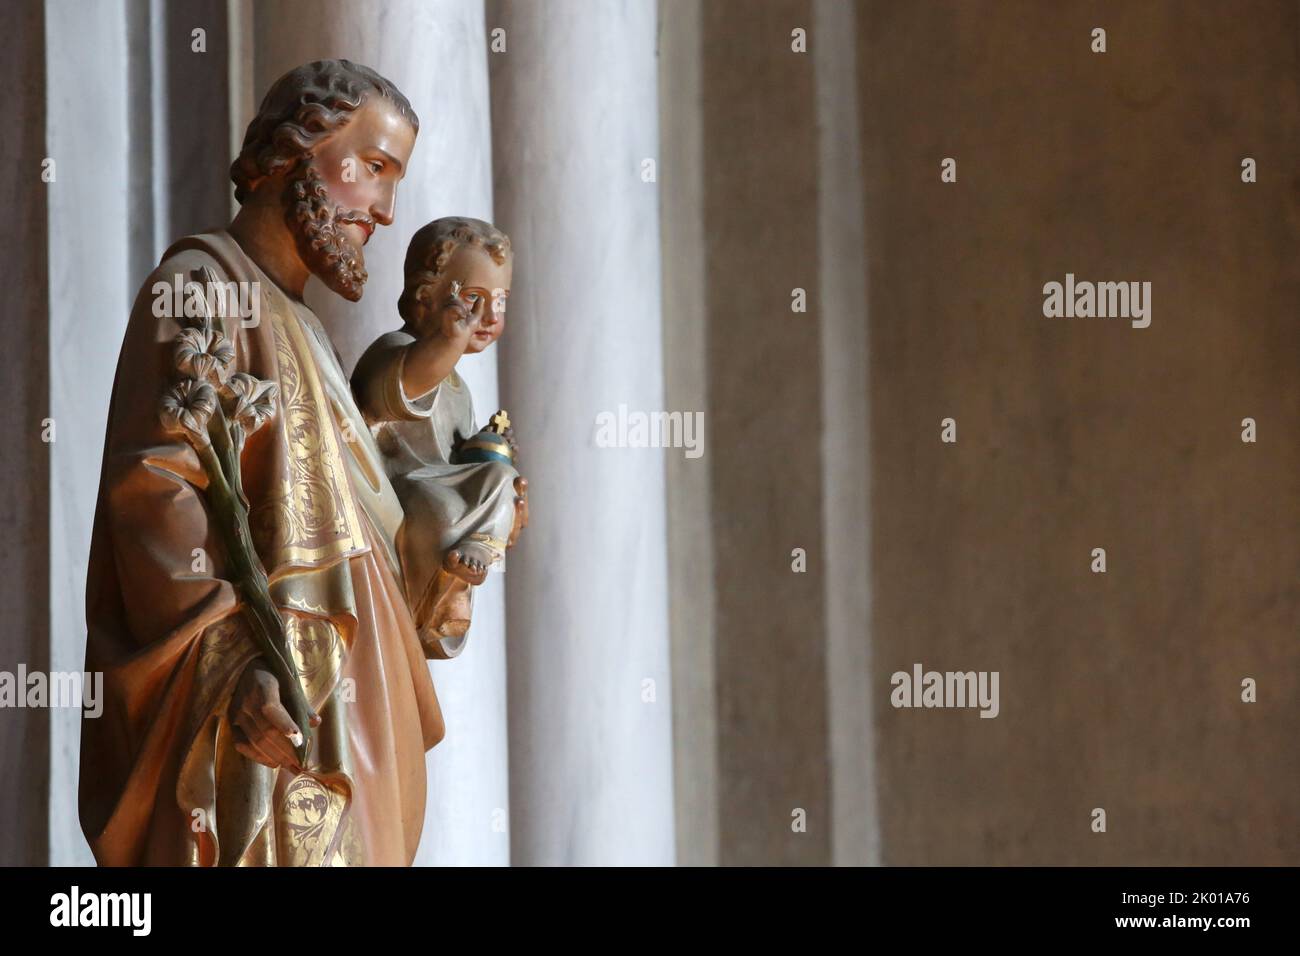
(436, 54)
(846, 438)
(690, 509)
(574, 119)
(91, 289)
(764, 346)
(24, 402)
(190, 118)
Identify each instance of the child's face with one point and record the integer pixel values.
(485, 288)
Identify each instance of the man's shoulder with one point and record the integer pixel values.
(206, 266)
(215, 251)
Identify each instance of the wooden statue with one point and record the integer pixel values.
(463, 499)
(244, 565)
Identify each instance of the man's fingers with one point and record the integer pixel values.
(266, 739)
(278, 718)
(277, 748)
(274, 743)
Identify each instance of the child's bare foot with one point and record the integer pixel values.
(469, 561)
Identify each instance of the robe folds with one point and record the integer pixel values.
(161, 783)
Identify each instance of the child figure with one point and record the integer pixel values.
(463, 499)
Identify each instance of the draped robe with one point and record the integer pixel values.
(161, 783)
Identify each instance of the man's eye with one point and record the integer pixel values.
(472, 297)
(376, 166)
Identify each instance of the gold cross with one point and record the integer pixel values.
(502, 421)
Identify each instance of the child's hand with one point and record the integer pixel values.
(459, 319)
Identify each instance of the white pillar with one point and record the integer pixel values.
(435, 52)
(690, 510)
(846, 477)
(574, 119)
(87, 125)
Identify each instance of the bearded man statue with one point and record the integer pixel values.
(193, 759)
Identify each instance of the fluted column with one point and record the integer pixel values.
(90, 225)
(846, 476)
(435, 51)
(690, 508)
(25, 468)
(574, 122)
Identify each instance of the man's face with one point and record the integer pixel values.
(485, 289)
(336, 200)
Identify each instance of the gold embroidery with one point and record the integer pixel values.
(318, 654)
(310, 822)
(309, 516)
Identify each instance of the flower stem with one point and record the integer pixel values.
(221, 463)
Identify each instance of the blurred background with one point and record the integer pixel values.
(736, 209)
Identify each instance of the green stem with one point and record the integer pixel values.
(250, 578)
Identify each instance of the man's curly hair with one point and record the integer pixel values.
(431, 249)
(302, 109)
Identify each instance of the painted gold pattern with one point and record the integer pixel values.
(318, 653)
(311, 821)
(309, 515)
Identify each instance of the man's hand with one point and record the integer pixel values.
(263, 728)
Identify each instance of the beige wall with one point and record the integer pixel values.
(764, 431)
(1118, 690)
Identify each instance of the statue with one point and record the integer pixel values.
(463, 499)
(196, 758)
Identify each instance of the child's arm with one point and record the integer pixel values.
(394, 378)
(440, 342)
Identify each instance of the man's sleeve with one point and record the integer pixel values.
(156, 582)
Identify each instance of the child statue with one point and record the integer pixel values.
(464, 502)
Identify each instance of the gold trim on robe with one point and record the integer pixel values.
(166, 631)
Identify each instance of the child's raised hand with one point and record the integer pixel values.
(457, 319)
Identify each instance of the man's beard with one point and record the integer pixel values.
(316, 222)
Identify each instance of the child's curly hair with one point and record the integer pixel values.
(432, 247)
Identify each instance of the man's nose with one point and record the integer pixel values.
(382, 210)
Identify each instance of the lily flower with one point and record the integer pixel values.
(204, 354)
(254, 400)
(186, 407)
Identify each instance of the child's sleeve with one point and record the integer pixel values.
(377, 383)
